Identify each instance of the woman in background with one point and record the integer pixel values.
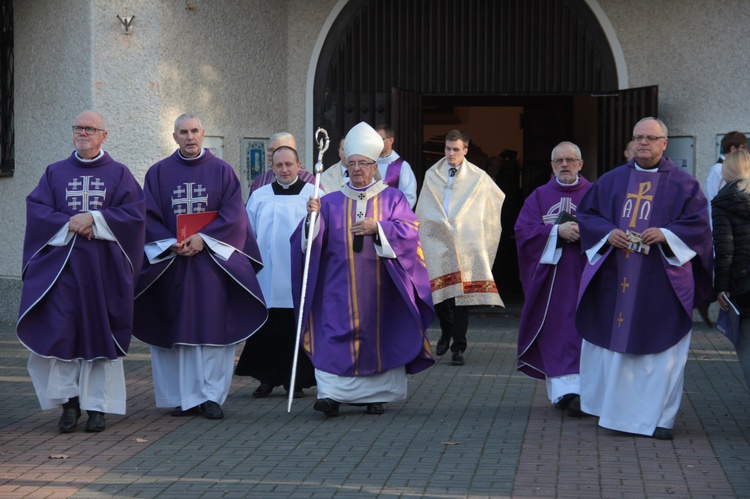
(731, 234)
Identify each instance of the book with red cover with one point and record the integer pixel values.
(192, 223)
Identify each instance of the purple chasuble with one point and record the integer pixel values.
(548, 342)
(203, 299)
(393, 173)
(77, 299)
(630, 302)
(364, 315)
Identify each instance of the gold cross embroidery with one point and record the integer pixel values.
(643, 188)
(620, 320)
(625, 284)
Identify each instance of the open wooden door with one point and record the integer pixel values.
(407, 123)
(545, 122)
(618, 114)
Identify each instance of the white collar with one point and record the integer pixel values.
(101, 153)
(287, 186)
(647, 170)
(191, 159)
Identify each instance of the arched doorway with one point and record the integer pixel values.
(420, 64)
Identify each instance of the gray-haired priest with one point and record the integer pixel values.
(368, 304)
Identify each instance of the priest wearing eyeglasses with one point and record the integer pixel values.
(645, 231)
(550, 264)
(85, 226)
(367, 305)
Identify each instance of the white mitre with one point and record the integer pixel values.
(362, 139)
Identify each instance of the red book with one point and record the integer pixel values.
(192, 223)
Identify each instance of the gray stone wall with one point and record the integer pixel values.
(695, 52)
(244, 67)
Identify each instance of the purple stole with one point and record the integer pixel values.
(393, 173)
(635, 216)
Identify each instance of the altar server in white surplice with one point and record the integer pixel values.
(274, 211)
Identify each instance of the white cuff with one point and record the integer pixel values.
(154, 251)
(384, 250)
(682, 252)
(101, 228)
(62, 237)
(316, 230)
(551, 254)
(222, 250)
(593, 252)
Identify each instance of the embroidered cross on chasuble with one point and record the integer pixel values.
(85, 193)
(635, 216)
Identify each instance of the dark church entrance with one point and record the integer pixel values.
(518, 76)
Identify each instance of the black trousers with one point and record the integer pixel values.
(454, 322)
(269, 353)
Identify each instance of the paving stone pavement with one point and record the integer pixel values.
(477, 431)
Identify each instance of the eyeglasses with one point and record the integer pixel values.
(90, 130)
(649, 138)
(560, 161)
(360, 164)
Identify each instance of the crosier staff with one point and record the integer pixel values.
(321, 137)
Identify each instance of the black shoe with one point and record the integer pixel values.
(69, 419)
(211, 410)
(179, 413)
(574, 407)
(442, 346)
(457, 359)
(264, 390)
(329, 407)
(95, 424)
(565, 401)
(376, 408)
(298, 393)
(662, 433)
